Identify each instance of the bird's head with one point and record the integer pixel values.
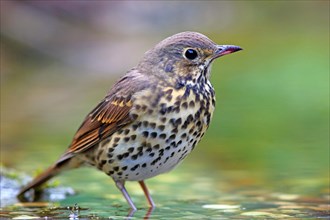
(186, 55)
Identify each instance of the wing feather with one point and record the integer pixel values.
(111, 114)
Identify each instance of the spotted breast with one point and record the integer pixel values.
(167, 128)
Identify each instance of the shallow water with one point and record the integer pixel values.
(187, 193)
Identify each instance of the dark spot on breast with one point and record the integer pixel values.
(162, 109)
(135, 126)
(191, 104)
(134, 157)
(126, 139)
(155, 161)
(185, 124)
(145, 123)
(153, 134)
(131, 149)
(169, 91)
(184, 105)
(192, 130)
(163, 136)
(198, 114)
(106, 141)
(151, 154)
(135, 167)
(179, 98)
(169, 109)
(124, 168)
(208, 119)
(175, 130)
(116, 168)
(134, 116)
(152, 125)
(194, 144)
(126, 131)
(176, 121)
(133, 137)
(117, 139)
(145, 134)
(172, 137)
(157, 146)
(144, 165)
(161, 127)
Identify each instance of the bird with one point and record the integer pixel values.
(150, 119)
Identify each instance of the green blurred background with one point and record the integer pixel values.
(59, 58)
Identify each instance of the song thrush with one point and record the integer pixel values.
(151, 119)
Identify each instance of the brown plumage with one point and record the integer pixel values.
(151, 119)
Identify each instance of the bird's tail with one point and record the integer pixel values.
(38, 181)
(66, 162)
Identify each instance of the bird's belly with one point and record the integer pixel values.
(155, 143)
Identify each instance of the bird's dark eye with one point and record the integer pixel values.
(191, 54)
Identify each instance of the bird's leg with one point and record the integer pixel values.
(147, 194)
(121, 186)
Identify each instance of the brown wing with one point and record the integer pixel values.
(104, 120)
(108, 116)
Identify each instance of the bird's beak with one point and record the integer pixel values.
(225, 49)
